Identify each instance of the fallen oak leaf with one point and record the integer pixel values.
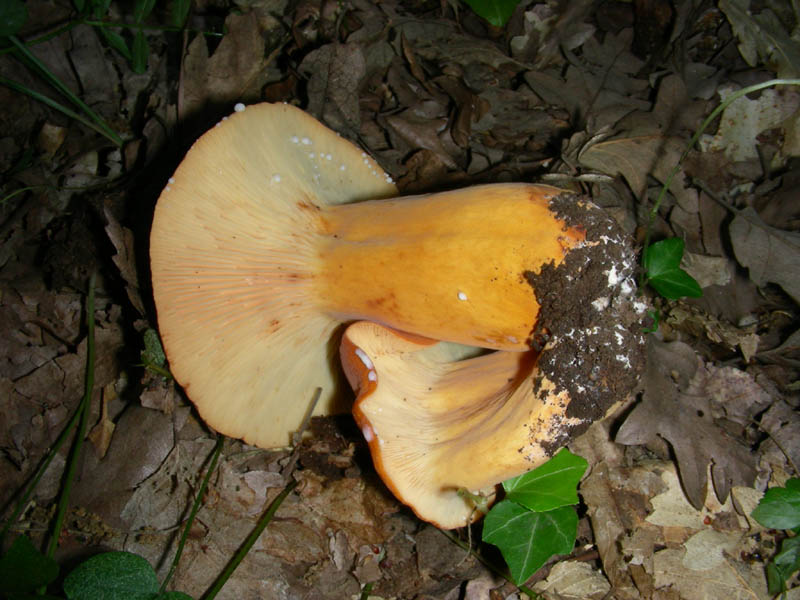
(771, 255)
(676, 407)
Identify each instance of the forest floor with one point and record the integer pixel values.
(601, 98)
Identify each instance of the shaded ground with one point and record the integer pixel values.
(602, 99)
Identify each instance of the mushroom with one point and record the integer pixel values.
(274, 231)
(438, 427)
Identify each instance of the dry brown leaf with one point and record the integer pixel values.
(335, 72)
(676, 407)
(231, 74)
(636, 157)
(100, 435)
(771, 255)
(125, 258)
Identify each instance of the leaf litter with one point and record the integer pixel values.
(440, 99)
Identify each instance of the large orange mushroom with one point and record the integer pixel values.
(274, 232)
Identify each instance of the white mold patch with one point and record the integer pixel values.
(462, 296)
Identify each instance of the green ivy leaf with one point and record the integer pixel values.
(526, 539)
(662, 261)
(780, 506)
(13, 14)
(786, 562)
(112, 575)
(552, 485)
(497, 12)
(23, 569)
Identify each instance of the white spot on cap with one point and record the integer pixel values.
(369, 435)
(512, 339)
(342, 167)
(306, 141)
(310, 155)
(294, 139)
(328, 157)
(372, 376)
(171, 180)
(239, 107)
(276, 178)
(364, 358)
(462, 296)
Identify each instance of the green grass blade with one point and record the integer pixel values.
(248, 543)
(29, 58)
(110, 135)
(83, 410)
(198, 501)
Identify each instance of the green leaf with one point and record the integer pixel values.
(179, 12)
(676, 284)
(662, 262)
(785, 563)
(100, 8)
(13, 14)
(140, 52)
(153, 353)
(112, 575)
(497, 12)
(780, 506)
(142, 9)
(663, 256)
(116, 41)
(23, 569)
(549, 486)
(527, 539)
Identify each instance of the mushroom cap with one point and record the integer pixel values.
(232, 253)
(435, 426)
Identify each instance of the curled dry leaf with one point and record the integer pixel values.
(676, 407)
(771, 255)
(125, 258)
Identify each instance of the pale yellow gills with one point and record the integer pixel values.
(435, 427)
(234, 247)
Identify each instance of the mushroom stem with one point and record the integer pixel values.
(450, 266)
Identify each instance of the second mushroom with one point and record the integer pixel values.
(274, 232)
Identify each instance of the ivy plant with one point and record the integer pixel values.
(780, 509)
(537, 519)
